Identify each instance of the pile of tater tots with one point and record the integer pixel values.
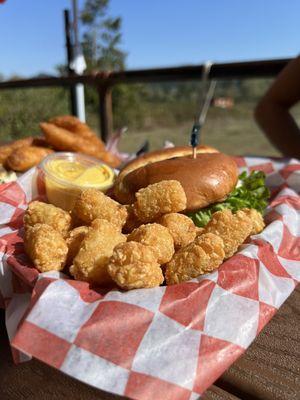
(142, 245)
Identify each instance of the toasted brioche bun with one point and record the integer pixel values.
(123, 194)
(164, 154)
(207, 179)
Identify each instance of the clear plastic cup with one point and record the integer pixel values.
(67, 174)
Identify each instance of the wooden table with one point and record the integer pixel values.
(269, 370)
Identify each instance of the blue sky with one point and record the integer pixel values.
(155, 32)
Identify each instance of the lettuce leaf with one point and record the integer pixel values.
(251, 192)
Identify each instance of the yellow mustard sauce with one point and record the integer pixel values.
(71, 178)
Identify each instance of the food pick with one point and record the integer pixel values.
(195, 135)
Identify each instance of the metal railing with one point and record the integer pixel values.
(104, 81)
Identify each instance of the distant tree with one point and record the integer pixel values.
(100, 42)
(101, 37)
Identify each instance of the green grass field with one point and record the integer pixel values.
(231, 131)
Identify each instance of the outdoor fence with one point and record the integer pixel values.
(104, 81)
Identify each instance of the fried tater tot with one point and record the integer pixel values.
(156, 236)
(203, 255)
(181, 227)
(158, 199)
(90, 264)
(46, 247)
(232, 228)
(92, 204)
(74, 240)
(76, 222)
(133, 265)
(213, 246)
(257, 220)
(199, 231)
(132, 221)
(39, 212)
(26, 157)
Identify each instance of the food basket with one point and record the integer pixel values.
(173, 341)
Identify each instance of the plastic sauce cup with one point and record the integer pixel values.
(67, 174)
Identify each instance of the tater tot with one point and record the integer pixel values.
(92, 204)
(156, 236)
(46, 247)
(134, 265)
(232, 228)
(181, 227)
(203, 255)
(158, 199)
(90, 264)
(43, 213)
(74, 240)
(257, 220)
(199, 231)
(132, 221)
(213, 246)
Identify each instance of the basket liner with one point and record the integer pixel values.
(166, 342)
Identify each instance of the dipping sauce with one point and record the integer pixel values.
(67, 174)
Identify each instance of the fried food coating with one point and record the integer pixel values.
(213, 246)
(203, 255)
(158, 199)
(43, 213)
(46, 247)
(132, 221)
(26, 157)
(39, 141)
(257, 220)
(232, 228)
(199, 231)
(76, 222)
(90, 264)
(181, 227)
(7, 149)
(64, 140)
(156, 236)
(134, 265)
(74, 240)
(92, 204)
(73, 124)
(110, 159)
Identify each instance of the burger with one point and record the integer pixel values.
(211, 181)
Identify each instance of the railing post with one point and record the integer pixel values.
(105, 112)
(69, 49)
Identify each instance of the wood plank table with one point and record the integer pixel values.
(269, 370)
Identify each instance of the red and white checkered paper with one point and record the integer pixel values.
(167, 342)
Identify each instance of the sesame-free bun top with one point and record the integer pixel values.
(207, 179)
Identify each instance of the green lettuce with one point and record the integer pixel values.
(251, 192)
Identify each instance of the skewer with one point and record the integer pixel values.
(195, 135)
(194, 152)
(199, 122)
